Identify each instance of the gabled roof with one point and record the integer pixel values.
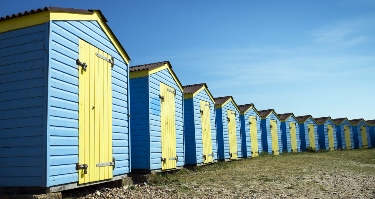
(304, 118)
(191, 90)
(46, 14)
(149, 69)
(339, 121)
(322, 120)
(285, 116)
(246, 107)
(221, 101)
(370, 122)
(355, 122)
(265, 113)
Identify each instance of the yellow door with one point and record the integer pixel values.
(364, 136)
(311, 136)
(347, 137)
(232, 134)
(168, 127)
(254, 136)
(206, 131)
(275, 139)
(95, 115)
(293, 136)
(331, 141)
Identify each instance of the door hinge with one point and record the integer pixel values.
(82, 166)
(82, 64)
(111, 61)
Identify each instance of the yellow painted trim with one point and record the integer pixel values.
(145, 73)
(189, 96)
(46, 16)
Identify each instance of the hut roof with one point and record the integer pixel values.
(53, 13)
(266, 113)
(221, 101)
(339, 120)
(148, 69)
(243, 108)
(191, 90)
(370, 122)
(322, 120)
(304, 118)
(285, 116)
(356, 121)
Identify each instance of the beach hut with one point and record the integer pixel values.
(250, 131)
(344, 134)
(360, 133)
(271, 135)
(200, 128)
(64, 119)
(308, 132)
(327, 133)
(156, 105)
(289, 132)
(228, 128)
(371, 126)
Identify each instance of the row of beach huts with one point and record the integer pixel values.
(74, 113)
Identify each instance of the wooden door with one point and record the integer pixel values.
(168, 127)
(231, 117)
(206, 131)
(293, 136)
(364, 136)
(95, 114)
(331, 140)
(254, 136)
(311, 132)
(348, 141)
(274, 137)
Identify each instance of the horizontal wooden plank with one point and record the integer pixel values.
(63, 160)
(21, 142)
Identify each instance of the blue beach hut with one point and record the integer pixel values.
(228, 128)
(200, 128)
(289, 132)
(271, 134)
(63, 99)
(344, 135)
(308, 132)
(371, 126)
(327, 133)
(250, 131)
(360, 133)
(156, 99)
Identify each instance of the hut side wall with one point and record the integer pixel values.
(62, 145)
(155, 136)
(140, 128)
(23, 97)
(190, 132)
(339, 136)
(372, 135)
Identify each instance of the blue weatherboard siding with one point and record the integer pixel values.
(266, 133)
(145, 121)
(285, 134)
(340, 134)
(372, 135)
(23, 76)
(357, 136)
(193, 128)
(222, 131)
(62, 121)
(304, 134)
(323, 135)
(245, 133)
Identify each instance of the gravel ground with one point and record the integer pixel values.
(337, 174)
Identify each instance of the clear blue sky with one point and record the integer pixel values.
(306, 57)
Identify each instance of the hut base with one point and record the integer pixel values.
(120, 181)
(147, 171)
